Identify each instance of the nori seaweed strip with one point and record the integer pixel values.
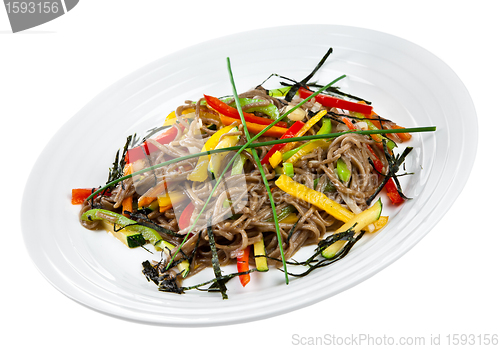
(213, 288)
(135, 141)
(336, 90)
(150, 224)
(325, 262)
(295, 87)
(169, 284)
(291, 232)
(215, 259)
(393, 168)
(150, 272)
(279, 76)
(193, 253)
(116, 171)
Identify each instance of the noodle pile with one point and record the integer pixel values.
(253, 221)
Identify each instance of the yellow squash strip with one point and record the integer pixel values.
(200, 173)
(260, 250)
(308, 148)
(275, 159)
(312, 121)
(292, 218)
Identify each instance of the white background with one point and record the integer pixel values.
(447, 284)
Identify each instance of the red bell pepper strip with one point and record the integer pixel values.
(185, 218)
(334, 102)
(292, 131)
(390, 186)
(145, 149)
(242, 265)
(255, 128)
(78, 196)
(231, 112)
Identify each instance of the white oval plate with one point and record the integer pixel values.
(405, 83)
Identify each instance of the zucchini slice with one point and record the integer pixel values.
(130, 238)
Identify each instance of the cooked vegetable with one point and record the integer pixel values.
(313, 197)
(269, 109)
(259, 251)
(342, 171)
(79, 195)
(147, 233)
(242, 264)
(200, 173)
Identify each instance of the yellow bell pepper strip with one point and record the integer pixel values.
(308, 148)
(200, 173)
(147, 233)
(167, 201)
(313, 197)
(310, 123)
(226, 110)
(274, 131)
(275, 160)
(259, 251)
(342, 171)
(292, 132)
(357, 223)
